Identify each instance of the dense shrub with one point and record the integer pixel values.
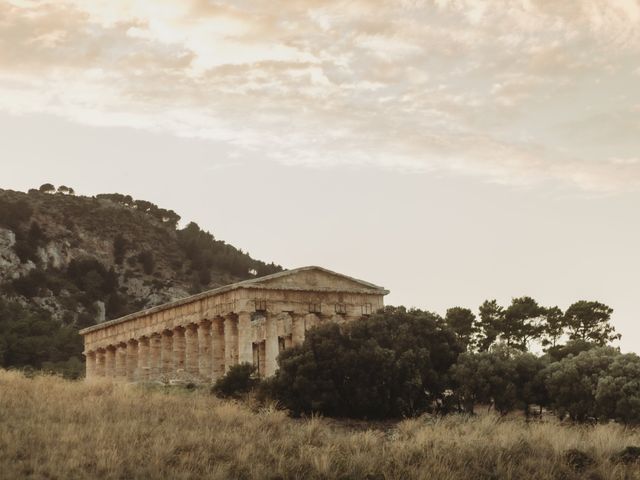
(505, 378)
(572, 382)
(392, 364)
(238, 381)
(29, 337)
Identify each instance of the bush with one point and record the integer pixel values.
(572, 383)
(503, 377)
(391, 365)
(237, 382)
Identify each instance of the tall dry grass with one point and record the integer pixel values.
(56, 429)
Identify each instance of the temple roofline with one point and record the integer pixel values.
(253, 283)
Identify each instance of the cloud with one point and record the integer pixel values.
(514, 91)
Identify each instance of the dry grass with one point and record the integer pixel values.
(56, 429)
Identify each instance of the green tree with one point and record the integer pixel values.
(572, 382)
(505, 378)
(490, 324)
(463, 322)
(590, 321)
(617, 394)
(392, 364)
(47, 188)
(522, 322)
(553, 328)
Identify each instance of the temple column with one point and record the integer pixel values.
(261, 359)
(144, 370)
(132, 360)
(245, 345)
(110, 362)
(271, 346)
(297, 329)
(155, 354)
(230, 342)
(191, 349)
(179, 348)
(100, 363)
(218, 345)
(90, 365)
(167, 353)
(205, 352)
(121, 361)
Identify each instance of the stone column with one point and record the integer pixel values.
(132, 360)
(288, 342)
(121, 361)
(230, 342)
(167, 353)
(205, 352)
(271, 346)
(178, 349)
(144, 369)
(245, 345)
(297, 329)
(155, 354)
(100, 363)
(218, 345)
(110, 362)
(261, 359)
(191, 349)
(90, 365)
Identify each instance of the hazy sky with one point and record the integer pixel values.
(449, 150)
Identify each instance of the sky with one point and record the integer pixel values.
(450, 150)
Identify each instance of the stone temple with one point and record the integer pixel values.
(199, 338)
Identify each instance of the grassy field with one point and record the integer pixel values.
(56, 429)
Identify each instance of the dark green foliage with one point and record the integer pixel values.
(29, 337)
(147, 261)
(237, 382)
(503, 377)
(92, 278)
(32, 284)
(47, 188)
(463, 322)
(553, 328)
(206, 253)
(168, 217)
(120, 246)
(618, 391)
(521, 322)
(572, 347)
(490, 324)
(572, 383)
(392, 364)
(590, 321)
(27, 244)
(13, 214)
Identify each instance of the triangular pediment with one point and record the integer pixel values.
(314, 278)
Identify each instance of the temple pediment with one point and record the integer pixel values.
(313, 278)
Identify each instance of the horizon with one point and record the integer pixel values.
(450, 151)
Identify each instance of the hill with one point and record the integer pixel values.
(68, 262)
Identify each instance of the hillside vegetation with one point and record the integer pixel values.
(68, 262)
(54, 428)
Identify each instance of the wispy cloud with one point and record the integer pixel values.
(518, 92)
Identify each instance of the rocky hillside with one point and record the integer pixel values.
(67, 262)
